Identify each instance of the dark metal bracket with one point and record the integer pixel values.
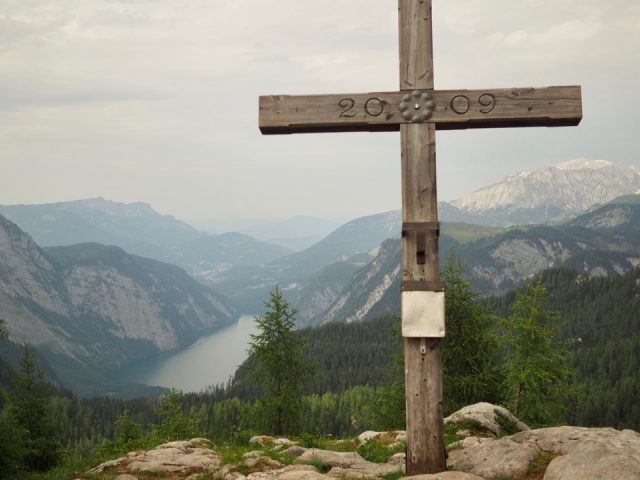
(421, 229)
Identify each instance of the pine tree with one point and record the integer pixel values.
(470, 346)
(280, 368)
(175, 424)
(30, 408)
(536, 375)
(11, 444)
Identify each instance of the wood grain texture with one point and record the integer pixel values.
(416, 44)
(420, 258)
(423, 371)
(425, 431)
(454, 110)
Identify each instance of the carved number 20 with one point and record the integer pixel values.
(373, 107)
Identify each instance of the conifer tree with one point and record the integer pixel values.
(280, 367)
(11, 444)
(536, 375)
(470, 346)
(30, 408)
(175, 424)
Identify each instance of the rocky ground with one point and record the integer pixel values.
(487, 448)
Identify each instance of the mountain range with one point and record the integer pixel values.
(84, 292)
(603, 242)
(88, 308)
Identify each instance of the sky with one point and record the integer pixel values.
(157, 100)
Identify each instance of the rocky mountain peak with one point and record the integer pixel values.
(584, 163)
(567, 188)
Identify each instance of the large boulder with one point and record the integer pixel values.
(183, 457)
(587, 453)
(491, 458)
(488, 416)
(572, 453)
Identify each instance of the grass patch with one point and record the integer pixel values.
(474, 427)
(278, 456)
(507, 425)
(538, 467)
(233, 454)
(379, 452)
(347, 445)
(392, 475)
(308, 440)
(321, 466)
(450, 438)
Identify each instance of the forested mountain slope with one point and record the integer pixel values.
(301, 273)
(601, 318)
(603, 242)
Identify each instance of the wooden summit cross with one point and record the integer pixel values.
(417, 110)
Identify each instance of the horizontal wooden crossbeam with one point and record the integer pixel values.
(448, 109)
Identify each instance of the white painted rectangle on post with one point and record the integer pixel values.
(423, 314)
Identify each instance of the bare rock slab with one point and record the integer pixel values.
(335, 459)
(581, 453)
(490, 458)
(588, 453)
(444, 476)
(292, 472)
(174, 457)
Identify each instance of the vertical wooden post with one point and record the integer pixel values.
(423, 356)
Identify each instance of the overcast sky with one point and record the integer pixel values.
(157, 101)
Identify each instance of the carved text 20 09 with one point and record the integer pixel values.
(374, 106)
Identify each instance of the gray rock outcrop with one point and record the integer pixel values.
(486, 414)
(574, 453)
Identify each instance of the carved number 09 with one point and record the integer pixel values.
(461, 103)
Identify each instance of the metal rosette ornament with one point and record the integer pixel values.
(417, 106)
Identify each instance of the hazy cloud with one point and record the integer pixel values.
(157, 100)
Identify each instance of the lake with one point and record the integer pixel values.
(211, 360)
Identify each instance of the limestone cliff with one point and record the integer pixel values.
(92, 307)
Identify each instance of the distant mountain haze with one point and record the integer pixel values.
(140, 230)
(133, 225)
(246, 269)
(354, 243)
(297, 232)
